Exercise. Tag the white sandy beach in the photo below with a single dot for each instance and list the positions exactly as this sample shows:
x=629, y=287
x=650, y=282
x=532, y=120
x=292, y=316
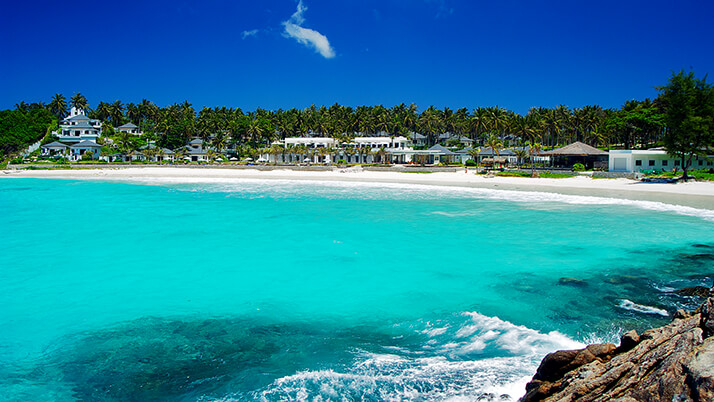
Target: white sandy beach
x=695, y=194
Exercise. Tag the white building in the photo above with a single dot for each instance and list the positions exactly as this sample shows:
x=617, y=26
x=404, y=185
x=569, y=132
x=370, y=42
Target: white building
x=78, y=150
x=629, y=160
x=309, y=142
x=328, y=150
x=129, y=128
x=77, y=127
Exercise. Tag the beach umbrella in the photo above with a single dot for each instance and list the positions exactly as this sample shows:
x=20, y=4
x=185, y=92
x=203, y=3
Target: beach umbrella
x=233, y=159
x=306, y=160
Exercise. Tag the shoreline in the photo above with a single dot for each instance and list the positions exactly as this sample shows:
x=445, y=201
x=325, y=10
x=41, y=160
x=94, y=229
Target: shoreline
x=693, y=194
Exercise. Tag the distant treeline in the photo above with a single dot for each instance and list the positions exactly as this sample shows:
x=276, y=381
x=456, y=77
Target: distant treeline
x=636, y=123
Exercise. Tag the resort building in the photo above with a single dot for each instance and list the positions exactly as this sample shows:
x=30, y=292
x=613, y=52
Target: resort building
x=129, y=128
x=54, y=149
x=79, y=149
x=196, y=152
x=633, y=160
x=578, y=152
x=383, y=149
x=418, y=139
x=77, y=127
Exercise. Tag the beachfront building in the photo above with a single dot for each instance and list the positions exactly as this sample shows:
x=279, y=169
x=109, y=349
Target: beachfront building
x=418, y=139
x=382, y=149
x=53, y=149
x=578, y=152
x=79, y=149
x=77, y=127
x=634, y=160
x=129, y=128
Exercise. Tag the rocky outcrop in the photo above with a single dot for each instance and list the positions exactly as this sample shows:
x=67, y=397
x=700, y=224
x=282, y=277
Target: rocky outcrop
x=671, y=363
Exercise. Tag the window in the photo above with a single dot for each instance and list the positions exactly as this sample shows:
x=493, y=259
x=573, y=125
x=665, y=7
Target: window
x=701, y=162
x=651, y=163
x=709, y=163
x=638, y=162
x=665, y=162
x=677, y=162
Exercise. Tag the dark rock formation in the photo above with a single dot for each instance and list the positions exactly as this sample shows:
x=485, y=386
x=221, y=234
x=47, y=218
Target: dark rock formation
x=698, y=291
x=572, y=282
x=671, y=363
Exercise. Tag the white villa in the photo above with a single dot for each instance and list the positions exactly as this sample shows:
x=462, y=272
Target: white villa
x=628, y=160
x=77, y=150
x=77, y=127
x=129, y=128
x=328, y=150
x=76, y=135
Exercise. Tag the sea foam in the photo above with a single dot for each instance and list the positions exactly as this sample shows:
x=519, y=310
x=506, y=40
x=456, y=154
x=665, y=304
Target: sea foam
x=343, y=189
x=458, y=371
x=641, y=308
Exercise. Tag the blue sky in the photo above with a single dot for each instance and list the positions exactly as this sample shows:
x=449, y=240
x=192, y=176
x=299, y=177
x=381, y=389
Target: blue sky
x=274, y=53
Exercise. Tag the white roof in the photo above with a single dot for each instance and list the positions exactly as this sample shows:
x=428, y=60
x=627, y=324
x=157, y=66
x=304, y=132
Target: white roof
x=385, y=140
x=310, y=140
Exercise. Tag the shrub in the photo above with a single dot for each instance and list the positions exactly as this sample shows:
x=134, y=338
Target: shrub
x=578, y=167
x=16, y=161
x=470, y=162
x=87, y=156
x=341, y=162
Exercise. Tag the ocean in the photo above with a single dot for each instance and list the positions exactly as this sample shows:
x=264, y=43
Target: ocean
x=241, y=289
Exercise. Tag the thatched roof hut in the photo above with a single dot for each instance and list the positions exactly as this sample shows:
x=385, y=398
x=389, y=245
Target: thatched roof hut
x=576, y=149
x=578, y=152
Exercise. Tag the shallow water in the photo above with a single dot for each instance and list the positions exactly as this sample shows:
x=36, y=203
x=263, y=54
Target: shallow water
x=250, y=289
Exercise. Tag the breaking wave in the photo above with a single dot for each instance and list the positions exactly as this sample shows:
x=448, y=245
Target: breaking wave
x=640, y=308
x=342, y=189
x=481, y=358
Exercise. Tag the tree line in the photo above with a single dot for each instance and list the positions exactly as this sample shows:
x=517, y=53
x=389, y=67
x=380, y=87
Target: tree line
x=636, y=124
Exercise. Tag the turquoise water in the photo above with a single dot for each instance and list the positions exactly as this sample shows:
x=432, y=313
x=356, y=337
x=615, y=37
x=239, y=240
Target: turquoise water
x=248, y=289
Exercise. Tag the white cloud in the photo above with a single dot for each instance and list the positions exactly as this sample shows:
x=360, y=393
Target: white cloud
x=307, y=36
x=252, y=32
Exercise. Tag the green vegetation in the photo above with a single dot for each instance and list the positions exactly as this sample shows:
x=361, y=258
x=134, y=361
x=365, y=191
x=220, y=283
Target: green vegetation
x=20, y=128
x=699, y=175
x=680, y=118
x=545, y=175
x=689, y=111
x=578, y=167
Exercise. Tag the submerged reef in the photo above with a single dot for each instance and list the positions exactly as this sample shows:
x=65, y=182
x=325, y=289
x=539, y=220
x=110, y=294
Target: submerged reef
x=671, y=363
x=158, y=359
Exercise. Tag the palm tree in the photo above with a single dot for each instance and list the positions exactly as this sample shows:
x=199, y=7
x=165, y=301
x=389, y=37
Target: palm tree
x=521, y=154
x=211, y=155
x=430, y=124
x=101, y=112
x=275, y=150
x=219, y=140
x=534, y=149
x=22, y=106
x=496, y=145
x=255, y=130
x=160, y=154
x=78, y=101
x=365, y=151
x=179, y=153
x=149, y=153
x=116, y=113
x=58, y=106
x=125, y=141
x=475, y=153
x=133, y=112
